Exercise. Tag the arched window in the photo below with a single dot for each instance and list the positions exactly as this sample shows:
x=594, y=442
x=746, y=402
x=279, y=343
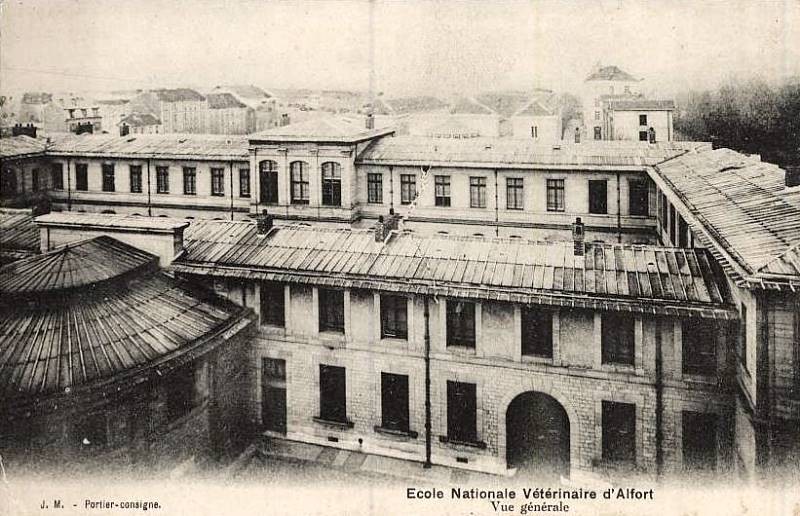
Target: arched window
x=298, y=172
x=268, y=181
x=331, y=184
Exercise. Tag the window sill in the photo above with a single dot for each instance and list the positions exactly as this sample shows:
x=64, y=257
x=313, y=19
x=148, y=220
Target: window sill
x=705, y=378
x=342, y=425
x=537, y=359
x=461, y=350
x=618, y=368
x=468, y=444
x=410, y=434
x=389, y=339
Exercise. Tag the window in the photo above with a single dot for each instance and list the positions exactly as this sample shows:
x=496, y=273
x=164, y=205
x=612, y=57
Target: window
x=673, y=225
x=514, y=193
x=108, y=177
x=642, y=136
x=664, y=211
x=268, y=181
x=136, y=178
x=477, y=192
x=180, y=389
x=597, y=115
x=743, y=337
x=619, y=431
x=331, y=310
x=273, y=394
x=462, y=412
x=217, y=181
x=298, y=172
x=81, y=177
x=642, y=119
x=394, y=317
x=35, y=180
x=638, y=197
x=683, y=232
x=598, y=196
x=162, y=180
x=617, y=338
x=91, y=433
x=461, y=324
x=408, y=188
x=699, y=441
x=272, y=304
x=555, y=195
x=332, y=394
x=598, y=133
x=537, y=332
x=442, y=190
x=699, y=347
x=244, y=182
x=394, y=402
x=57, y=176
x=375, y=188
x=534, y=131
x=189, y=181
x=331, y=184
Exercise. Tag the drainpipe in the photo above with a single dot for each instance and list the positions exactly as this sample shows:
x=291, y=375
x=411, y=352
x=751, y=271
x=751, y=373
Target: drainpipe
x=149, y=205
x=659, y=402
x=619, y=213
x=428, y=463
x=496, y=207
x=257, y=174
x=391, y=190
x=230, y=164
x=69, y=185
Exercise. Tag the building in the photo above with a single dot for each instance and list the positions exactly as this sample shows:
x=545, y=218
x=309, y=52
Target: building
x=83, y=117
x=116, y=386
x=264, y=103
x=602, y=81
x=638, y=119
x=181, y=110
x=139, y=123
x=227, y=115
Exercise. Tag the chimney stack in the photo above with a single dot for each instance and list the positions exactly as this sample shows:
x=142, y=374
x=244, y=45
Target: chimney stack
x=577, y=135
x=792, y=176
x=264, y=222
x=380, y=229
x=285, y=119
x=370, y=121
x=26, y=130
x=578, y=236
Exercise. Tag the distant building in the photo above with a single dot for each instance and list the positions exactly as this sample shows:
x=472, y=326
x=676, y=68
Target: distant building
x=43, y=110
x=139, y=123
x=112, y=111
x=228, y=115
x=604, y=80
x=180, y=110
x=264, y=103
x=83, y=118
x=638, y=119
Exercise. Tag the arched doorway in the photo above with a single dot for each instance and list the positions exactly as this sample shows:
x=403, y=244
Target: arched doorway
x=537, y=436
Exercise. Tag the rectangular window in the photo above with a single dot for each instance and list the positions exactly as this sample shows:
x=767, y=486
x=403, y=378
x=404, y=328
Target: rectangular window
x=617, y=338
x=331, y=310
x=699, y=441
x=272, y=304
x=683, y=232
x=598, y=196
x=699, y=347
x=642, y=119
x=218, y=181
x=331, y=184
x=394, y=317
x=57, y=176
x=394, y=402
x=461, y=324
x=162, y=180
x=35, y=180
x=462, y=412
x=477, y=192
x=598, y=133
x=332, y=394
x=244, y=182
x=534, y=131
x=375, y=188
x=298, y=171
x=180, y=389
x=136, y=178
x=108, y=177
x=619, y=431
x=442, y=190
x=408, y=188
x=189, y=181
x=743, y=337
x=537, y=332
x=514, y=193
x=673, y=225
x=555, y=195
x=81, y=177
x=642, y=136
x=638, y=197
x=273, y=394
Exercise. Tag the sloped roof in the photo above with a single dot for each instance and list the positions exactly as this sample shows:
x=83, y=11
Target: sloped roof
x=610, y=276
x=19, y=236
x=248, y=91
x=405, y=105
x=223, y=101
x=21, y=146
x=206, y=147
x=534, y=108
x=641, y=105
x=470, y=106
x=324, y=129
x=140, y=120
x=178, y=95
x=510, y=153
x=610, y=73
x=739, y=210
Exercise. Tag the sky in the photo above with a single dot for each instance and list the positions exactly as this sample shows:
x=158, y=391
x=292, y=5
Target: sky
x=420, y=46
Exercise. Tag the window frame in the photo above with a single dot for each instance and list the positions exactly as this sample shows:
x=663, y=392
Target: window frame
x=536, y=336
x=638, y=197
x=408, y=188
x=331, y=310
x=331, y=172
x=642, y=120
x=394, y=317
x=618, y=423
x=442, y=191
x=462, y=412
x=333, y=394
x=598, y=204
x=217, y=181
x=461, y=325
x=189, y=181
x=643, y=136
x=135, y=179
x=515, y=193
x=244, y=182
x=374, y=188
x=618, y=339
x=162, y=179
x=272, y=302
x=299, y=179
x=556, y=195
x=108, y=177
x=395, y=402
x=57, y=176
x=81, y=177
x=477, y=191
x=698, y=347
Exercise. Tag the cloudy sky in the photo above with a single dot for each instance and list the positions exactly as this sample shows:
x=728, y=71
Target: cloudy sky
x=420, y=46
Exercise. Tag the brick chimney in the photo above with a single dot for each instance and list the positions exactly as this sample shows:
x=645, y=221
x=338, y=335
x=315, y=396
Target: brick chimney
x=264, y=222
x=380, y=229
x=24, y=130
x=578, y=236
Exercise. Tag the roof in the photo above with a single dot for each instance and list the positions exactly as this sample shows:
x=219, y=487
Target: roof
x=322, y=129
x=206, y=147
x=19, y=236
x=178, y=95
x=223, y=101
x=611, y=276
x=534, y=108
x=641, y=105
x=404, y=105
x=248, y=91
x=470, y=106
x=37, y=98
x=140, y=120
x=738, y=206
x=610, y=73
x=108, y=337
x=131, y=222
x=21, y=147
x=511, y=153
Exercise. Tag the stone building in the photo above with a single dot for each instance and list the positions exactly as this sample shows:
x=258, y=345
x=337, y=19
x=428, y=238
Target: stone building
x=228, y=115
x=181, y=110
x=139, y=123
x=638, y=119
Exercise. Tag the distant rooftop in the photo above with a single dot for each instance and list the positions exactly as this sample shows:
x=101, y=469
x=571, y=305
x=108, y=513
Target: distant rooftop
x=19, y=236
x=611, y=73
x=247, y=91
x=322, y=129
x=140, y=120
x=178, y=95
x=223, y=101
x=177, y=146
x=641, y=105
x=68, y=218
x=36, y=98
x=21, y=147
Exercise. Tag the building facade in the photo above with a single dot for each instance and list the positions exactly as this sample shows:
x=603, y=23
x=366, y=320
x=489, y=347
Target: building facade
x=181, y=110
x=639, y=120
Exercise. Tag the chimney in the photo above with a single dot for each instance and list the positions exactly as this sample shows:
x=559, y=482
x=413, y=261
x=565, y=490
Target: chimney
x=578, y=236
x=124, y=129
x=380, y=230
x=285, y=119
x=370, y=121
x=651, y=135
x=577, y=135
x=792, y=176
x=24, y=130
x=264, y=222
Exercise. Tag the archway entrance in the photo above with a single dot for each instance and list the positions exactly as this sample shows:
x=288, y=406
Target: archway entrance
x=537, y=436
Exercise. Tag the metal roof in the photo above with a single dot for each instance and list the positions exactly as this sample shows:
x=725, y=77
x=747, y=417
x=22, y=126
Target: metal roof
x=200, y=147
x=635, y=278
x=21, y=147
x=132, y=222
x=19, y=236
x=512, y=153
x=322, y=129
x=739, y=206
